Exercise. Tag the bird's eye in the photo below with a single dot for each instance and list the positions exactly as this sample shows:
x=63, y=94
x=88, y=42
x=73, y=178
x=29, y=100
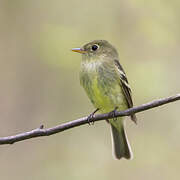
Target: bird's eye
x=95, y=47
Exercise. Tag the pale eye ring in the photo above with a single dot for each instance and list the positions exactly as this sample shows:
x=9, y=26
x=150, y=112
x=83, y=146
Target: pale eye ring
x=94, y=47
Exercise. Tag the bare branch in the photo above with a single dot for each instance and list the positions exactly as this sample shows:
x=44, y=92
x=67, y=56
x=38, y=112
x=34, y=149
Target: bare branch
x=78, y=122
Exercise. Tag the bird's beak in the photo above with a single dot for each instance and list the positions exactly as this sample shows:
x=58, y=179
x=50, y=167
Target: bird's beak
x=79, y=50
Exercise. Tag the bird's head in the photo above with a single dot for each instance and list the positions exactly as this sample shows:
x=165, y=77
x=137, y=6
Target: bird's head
x=96, y=50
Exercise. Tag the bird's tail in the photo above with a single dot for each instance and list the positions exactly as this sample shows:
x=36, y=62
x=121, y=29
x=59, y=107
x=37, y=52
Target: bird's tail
x=121, y=147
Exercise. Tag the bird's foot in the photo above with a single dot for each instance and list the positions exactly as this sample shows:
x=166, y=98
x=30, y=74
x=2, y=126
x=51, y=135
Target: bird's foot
x=90, y=117
x=107, y=120
x=134, y=119
x=112, y=113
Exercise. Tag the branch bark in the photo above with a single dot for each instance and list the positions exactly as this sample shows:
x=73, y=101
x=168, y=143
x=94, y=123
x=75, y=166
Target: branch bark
x=78, y=122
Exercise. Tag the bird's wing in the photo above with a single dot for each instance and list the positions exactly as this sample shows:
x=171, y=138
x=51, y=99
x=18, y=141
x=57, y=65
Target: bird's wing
x=125, y=87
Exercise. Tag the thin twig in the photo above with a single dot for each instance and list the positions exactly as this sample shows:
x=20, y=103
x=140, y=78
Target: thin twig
x=78, y=122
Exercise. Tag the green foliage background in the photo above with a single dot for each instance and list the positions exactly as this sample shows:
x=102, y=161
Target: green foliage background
x=39, y=84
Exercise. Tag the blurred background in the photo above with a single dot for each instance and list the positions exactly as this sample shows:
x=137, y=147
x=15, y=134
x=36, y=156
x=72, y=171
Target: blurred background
x=39, y=84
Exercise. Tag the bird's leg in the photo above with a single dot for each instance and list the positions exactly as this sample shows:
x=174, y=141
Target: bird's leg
x=112, y=113
x=90, y=117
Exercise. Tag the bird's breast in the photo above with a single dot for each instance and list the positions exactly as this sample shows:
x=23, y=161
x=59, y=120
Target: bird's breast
x=101, y=85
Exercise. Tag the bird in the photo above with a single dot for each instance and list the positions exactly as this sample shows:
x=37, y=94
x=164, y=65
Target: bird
x=105, y=82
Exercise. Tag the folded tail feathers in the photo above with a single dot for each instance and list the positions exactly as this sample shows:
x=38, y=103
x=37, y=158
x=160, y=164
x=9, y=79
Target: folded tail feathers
x=121, y=147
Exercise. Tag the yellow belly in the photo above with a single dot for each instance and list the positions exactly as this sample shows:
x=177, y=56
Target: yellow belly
x=107, y=98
